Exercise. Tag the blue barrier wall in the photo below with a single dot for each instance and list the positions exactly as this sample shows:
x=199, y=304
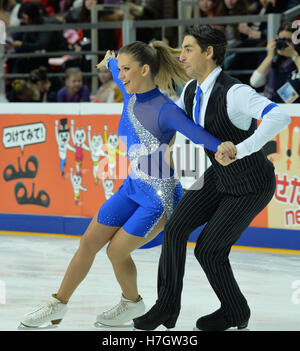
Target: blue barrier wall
x=253, y=236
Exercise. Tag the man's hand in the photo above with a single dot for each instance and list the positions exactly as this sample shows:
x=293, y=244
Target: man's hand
x=226, y=153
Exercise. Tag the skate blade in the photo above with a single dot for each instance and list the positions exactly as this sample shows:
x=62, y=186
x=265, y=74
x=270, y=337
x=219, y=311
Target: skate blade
x=118, y=327
x=230, y=329
x=26, y=327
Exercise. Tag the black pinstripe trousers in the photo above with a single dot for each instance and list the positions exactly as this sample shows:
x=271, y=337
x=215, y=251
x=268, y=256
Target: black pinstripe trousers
x=226, y=217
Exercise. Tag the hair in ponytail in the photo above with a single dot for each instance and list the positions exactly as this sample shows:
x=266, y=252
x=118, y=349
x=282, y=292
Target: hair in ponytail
x=165, y=68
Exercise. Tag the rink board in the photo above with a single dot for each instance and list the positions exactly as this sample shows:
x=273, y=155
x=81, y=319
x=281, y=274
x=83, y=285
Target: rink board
x=38, y=198
x=254, y=236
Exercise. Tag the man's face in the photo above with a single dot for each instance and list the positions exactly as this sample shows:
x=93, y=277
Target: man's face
x=191, y=56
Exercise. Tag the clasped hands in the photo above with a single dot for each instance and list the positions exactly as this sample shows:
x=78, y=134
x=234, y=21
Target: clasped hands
x=226, y=153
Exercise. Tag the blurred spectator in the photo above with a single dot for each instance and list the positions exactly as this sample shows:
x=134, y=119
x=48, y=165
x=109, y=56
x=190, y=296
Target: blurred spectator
x=279, y=71
x=82, y=14
x=203, y=8
x=274, y=6
x=232, y=8
x=153, y=10
x=169, y=9
x=47, y=4
x=206, y=8
x=62, y=6
x=234, y=37
x=39, y=80
x=108, y=91
x=147, y=10
x=22, y=91
x=74, y=90
x=106, y=37
x=257, y=32
x=32, y=13
x=9, y=12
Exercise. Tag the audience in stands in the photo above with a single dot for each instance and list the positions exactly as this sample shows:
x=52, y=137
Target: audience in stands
x=82, y=14
x=232, y=8
x=107, y=38
x=147, y=10
x=279, y=71
x=271, y=72
x=38, y=88
x=37, y=41
x=258, y=31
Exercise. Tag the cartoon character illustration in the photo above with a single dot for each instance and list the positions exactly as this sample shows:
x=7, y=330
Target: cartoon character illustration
x=95, y=145
x=108, y=185
x=62, y=139
x=112, y=144
x=76, y=180
x=78, y=140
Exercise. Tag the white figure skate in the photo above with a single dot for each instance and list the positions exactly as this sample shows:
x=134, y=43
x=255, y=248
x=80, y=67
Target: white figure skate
x=53, y=311
x=122, y=313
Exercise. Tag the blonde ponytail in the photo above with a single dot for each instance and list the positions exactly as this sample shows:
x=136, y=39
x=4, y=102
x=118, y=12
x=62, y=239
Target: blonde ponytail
x=166, y=70
x=170, y=70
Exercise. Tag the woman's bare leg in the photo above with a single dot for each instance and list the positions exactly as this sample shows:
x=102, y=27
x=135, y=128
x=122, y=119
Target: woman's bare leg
x=118, y=251
x=96, y=236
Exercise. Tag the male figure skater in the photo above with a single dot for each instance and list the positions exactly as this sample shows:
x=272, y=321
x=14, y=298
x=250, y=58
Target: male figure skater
x=236, y=187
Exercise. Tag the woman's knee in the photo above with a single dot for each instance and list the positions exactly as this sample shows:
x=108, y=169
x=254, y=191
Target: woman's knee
x=87, y=246
x=115, y=254
x=92, y=243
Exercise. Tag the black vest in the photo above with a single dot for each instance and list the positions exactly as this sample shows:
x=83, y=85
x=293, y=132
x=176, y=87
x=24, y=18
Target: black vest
x=245, y=175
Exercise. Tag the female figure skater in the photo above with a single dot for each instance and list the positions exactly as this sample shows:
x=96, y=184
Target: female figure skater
x=138, y=211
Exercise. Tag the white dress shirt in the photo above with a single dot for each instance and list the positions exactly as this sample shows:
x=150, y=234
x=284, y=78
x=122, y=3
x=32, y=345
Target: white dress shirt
x=243, y=104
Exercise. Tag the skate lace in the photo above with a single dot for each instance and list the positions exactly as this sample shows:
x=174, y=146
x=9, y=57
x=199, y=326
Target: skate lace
x=121, y=307
x=44, y=311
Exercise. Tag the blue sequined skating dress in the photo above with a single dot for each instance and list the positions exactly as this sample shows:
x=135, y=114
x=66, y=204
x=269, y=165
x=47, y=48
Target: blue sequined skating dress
x=147, y=126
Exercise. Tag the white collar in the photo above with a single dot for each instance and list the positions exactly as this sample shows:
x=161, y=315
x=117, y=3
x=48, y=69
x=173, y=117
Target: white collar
x=210, y=79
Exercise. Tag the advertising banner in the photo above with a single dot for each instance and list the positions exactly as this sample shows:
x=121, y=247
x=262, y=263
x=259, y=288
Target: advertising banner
x=67, y=160
x=59, y=164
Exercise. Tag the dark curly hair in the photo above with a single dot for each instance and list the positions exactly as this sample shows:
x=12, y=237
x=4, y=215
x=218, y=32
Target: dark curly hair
x=207, y=35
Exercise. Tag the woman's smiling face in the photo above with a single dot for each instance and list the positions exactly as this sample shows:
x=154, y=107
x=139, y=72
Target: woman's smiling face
x=131, y=73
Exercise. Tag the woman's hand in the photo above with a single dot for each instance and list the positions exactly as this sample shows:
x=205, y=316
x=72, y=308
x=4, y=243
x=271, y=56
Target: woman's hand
x=226, y=153
x=109, y=54
x=289, y=51
x=271, y=48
